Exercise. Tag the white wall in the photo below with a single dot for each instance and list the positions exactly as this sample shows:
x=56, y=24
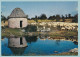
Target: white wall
x=15, y=22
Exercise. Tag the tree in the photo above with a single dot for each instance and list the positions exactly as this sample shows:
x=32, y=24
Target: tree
x=43, y=16
x=66, y=16
x=52, y=17
x=75, y=19
x=3, y=18
x=57, y=17
x=69, y=15
x=63, y=18
x=32, y=18
x=36, y=18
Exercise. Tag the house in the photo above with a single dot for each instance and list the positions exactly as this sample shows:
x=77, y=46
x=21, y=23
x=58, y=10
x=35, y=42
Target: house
x=17, y=19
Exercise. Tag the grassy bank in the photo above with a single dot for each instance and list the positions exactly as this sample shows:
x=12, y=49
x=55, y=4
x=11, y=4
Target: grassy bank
x=53, y=34
x=8, y=32
x=15, y=32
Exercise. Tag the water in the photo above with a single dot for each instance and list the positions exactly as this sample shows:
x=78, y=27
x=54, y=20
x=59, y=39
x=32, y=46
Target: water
x=37, y=46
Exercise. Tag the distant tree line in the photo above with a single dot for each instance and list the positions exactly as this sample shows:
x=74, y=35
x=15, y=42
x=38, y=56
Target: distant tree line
x=54, y=17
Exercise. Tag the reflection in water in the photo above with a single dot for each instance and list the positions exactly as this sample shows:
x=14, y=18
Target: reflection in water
x=57, y=42
x=76, y=43
x=18, y=51
x=30, y=39
x=17, y=42
x=17, y=45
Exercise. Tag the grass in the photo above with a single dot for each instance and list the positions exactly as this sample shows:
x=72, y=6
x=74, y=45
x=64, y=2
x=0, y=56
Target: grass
x=32, y=21
x=64, y=33
x=15, y=32
x=58, y=33
x=10, y=31
x=18, y=32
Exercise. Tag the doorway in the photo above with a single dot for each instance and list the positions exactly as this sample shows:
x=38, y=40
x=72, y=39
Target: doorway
x=20, y=23
x=21, y=42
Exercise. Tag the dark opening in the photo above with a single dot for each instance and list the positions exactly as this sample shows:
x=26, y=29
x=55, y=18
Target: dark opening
x=21, y=42
x=20, y=23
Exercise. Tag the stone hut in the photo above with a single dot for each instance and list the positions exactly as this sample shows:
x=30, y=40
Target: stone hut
x=17, y=42
x=17, y=19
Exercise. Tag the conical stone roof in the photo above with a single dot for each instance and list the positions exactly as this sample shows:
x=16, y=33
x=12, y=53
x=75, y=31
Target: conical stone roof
x=17, y=13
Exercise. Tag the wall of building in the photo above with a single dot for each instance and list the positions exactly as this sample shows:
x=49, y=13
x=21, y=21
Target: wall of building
x=15, y=22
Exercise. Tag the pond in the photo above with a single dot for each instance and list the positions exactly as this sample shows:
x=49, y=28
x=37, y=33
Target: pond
x=34, y=46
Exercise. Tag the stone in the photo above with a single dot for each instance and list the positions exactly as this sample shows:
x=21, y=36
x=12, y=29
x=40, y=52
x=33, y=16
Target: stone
x=74, y=50
x=55, y=51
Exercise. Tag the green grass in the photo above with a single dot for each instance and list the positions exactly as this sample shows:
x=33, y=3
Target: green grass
x=18, y=32
x=10, y=31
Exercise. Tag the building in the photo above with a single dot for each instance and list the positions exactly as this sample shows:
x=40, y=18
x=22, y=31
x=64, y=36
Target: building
x=17, y=19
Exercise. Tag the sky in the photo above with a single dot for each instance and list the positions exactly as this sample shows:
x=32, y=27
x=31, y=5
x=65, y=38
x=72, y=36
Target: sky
x=37, y=8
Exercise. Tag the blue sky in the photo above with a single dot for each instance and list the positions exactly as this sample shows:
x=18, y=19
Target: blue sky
x=37, y=8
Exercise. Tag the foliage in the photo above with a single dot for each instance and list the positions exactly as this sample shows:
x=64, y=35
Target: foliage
x=63, y=18
x=3, y=18
x=52, y=17
x=75, y=19
x=57, y=17
x=43, y=16
x=31, y=28
x=9, y=31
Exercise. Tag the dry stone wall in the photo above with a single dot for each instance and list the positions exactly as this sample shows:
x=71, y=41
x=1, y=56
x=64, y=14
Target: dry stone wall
x=15, y=22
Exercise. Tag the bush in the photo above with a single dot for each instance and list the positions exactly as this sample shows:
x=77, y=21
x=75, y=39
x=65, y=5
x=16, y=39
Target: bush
x=31, y=28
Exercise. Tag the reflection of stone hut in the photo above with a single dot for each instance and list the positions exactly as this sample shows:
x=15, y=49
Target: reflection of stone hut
x=18, y=51
x=17, y=19
x=17, y=42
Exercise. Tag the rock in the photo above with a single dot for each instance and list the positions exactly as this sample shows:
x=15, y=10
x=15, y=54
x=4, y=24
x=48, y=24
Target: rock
x=55, y=51
x=12, y=35
x=23, y=30
x=74, y=50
